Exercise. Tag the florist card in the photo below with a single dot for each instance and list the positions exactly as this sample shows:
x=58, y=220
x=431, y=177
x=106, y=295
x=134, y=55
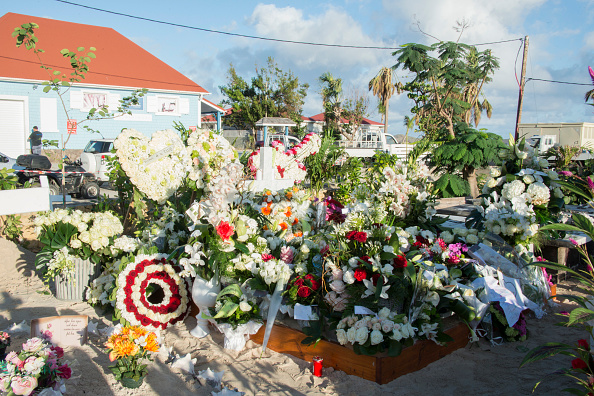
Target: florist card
x=62, y=330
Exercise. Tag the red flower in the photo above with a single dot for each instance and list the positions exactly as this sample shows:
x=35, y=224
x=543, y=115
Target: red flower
x=315, y=284
x=579, y=364
x=361, y=237
x=267, y=257
x=303, y=291
x=366, y=259
x=64, y=371
x=281, y=171
x=351, y=235
x=360, y=274
x=225, y=230
x=374, y=278
x=400, y=261
x=298, y=282
x=58, y=351
x=584, y=344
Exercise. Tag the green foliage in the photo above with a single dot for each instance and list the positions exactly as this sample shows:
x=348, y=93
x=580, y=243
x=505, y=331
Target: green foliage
x=450, y=185
x=321, y=166
x=11, y=227
x=8, y=180
x=271, y=93
x=446, y=87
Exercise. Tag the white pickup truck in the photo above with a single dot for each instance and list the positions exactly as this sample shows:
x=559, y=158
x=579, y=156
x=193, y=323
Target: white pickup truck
x=94, y=158
x=366, y=143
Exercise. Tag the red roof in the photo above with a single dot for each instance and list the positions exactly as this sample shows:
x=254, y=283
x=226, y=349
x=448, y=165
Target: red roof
x=120, y=62
x=211, y=117
x=320, y=118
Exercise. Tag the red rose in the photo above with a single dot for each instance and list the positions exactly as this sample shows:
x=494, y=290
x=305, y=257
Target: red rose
x=584, y=344
x=579, y=364
x=64, y=371
x=361, y=237
x=303, y=292
x=298, y=282
x=374, y=278
x=366, y=259
x=225, y=230
x=400, y=261
x=351, y=235
x=58, y=351
x=266, y=257
x=145, y=321
x=360, y=274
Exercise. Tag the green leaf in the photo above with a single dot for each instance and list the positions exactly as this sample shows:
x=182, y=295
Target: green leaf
x=227, y=310
x=80, y=49
x=47, y=88
x=545, y=351
x=232, y=289
x=580, y=315
x=395, y=348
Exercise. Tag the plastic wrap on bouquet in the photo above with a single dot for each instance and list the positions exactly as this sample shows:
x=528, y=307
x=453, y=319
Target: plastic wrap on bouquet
x=235, y=338
x=488, y=256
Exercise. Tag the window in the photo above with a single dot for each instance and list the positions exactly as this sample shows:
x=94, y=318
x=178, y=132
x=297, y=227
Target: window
x=167, y=105
x=94, y=100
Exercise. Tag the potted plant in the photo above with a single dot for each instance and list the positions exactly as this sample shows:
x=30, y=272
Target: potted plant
x=129, y=346
x=74, y=244
x=38, y=366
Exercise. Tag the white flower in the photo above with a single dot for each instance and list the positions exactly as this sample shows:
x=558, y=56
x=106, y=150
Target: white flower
x=447, y=236
x=341, y=335
x=495, y=172
x=472, y=239
x=396, y=334
x=528, y=179
x=383, y=313
x=376, y=337
x=361, y=335
x=543, y=163
x=351, y=335
x=348, y=276
x=244, y=306
x=539, y=193
x=387, y=326
x=512, y=189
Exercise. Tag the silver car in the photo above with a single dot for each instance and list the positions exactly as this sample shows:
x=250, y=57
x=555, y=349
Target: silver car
x=9, y=162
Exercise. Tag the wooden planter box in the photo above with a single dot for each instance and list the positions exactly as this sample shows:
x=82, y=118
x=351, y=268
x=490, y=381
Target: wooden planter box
x=380, y=368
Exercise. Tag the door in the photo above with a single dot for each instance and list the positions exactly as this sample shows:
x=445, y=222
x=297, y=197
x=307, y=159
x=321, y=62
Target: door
x=14, y=125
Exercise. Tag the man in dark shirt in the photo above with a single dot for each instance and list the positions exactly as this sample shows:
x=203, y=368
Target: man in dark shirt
x=35, y=139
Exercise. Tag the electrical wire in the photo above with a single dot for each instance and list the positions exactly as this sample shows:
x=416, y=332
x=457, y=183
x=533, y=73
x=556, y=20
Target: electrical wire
x=250, y=36
x=556, y=81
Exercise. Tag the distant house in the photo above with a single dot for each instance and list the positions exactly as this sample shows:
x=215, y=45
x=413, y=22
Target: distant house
x=316, y=124
x=120, y=67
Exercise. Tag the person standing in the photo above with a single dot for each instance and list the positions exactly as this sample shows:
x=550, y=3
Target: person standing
x=35, y=141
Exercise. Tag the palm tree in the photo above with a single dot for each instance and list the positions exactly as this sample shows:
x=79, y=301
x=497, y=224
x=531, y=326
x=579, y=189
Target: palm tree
x=332, y=100
x=383, y=88
x=590, y=93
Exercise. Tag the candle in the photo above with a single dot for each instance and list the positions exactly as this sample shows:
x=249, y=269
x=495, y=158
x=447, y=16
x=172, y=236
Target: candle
x=317, y=366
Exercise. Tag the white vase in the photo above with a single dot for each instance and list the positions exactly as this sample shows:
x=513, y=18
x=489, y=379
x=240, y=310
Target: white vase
x=204, y=294
x=85, y=271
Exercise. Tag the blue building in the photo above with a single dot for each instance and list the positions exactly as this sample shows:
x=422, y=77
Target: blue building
x=120, y=67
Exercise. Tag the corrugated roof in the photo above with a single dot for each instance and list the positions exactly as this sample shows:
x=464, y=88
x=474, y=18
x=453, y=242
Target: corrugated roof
x=120, y=62
x=320, y=118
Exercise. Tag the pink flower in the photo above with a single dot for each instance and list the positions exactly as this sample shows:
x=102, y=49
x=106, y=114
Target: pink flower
x=33, y=344
x=590, y=183
x=591, y=72
x=573, y=241
x=13, y=358
x=64, y=371
x=23, y=385
x=565, y=173
x=287, y=254
x=267, y=257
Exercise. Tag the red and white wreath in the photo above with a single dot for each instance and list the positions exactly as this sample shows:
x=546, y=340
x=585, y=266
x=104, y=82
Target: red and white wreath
x=131, y=299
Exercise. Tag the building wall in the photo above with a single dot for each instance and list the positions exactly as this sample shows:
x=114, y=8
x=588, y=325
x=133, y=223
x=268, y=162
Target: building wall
x=45, y=111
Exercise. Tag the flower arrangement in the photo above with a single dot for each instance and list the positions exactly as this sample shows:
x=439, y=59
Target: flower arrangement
x=157, y=168
x=370, y=334
x=151, y=293
x=210, y=152
x=234, y=307
x=129, y=346
x=520, y=196
x=303, y=289
x=38, y=366
x=66, y=234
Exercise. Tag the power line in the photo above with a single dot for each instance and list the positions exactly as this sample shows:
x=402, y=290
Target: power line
x=557, y=82
x=249, y=36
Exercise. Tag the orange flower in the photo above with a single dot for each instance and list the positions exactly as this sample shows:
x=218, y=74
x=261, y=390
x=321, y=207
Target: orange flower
x=288, y=212
x=289, y=195
x=265, y=228
x=266, y=210
x=151, y=343
x=295, y=188
x=295, y=221
x=298, y=234
x=283, y=226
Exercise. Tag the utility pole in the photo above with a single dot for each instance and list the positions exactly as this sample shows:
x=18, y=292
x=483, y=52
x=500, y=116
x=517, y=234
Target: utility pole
x=521, y=95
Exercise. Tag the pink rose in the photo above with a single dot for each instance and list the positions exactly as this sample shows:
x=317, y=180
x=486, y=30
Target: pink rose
x=13, y=358
x=23, y=385
x=33, y=344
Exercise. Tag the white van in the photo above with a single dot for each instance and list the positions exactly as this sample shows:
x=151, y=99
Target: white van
x=94, y=158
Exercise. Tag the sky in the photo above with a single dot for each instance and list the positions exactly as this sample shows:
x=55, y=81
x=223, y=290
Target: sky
x=561, y=45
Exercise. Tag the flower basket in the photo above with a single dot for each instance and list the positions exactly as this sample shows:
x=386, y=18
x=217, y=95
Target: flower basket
x=74, y=289
x=132, y=383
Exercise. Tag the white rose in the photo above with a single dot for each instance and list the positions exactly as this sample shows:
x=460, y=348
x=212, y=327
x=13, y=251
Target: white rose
x=495, y=172
x=383, y=313
x=472, y=239
x=376, y=337
x=396, y=334
x=387, y=326
x=528, y=179
x=351, y=334
x=447, y=237
x=496, y=229
x=377, y=326
x=244, y=306
x=348, y=277
x=543, y=163
x=491, y=183
x=342, y=336
x=361, y=335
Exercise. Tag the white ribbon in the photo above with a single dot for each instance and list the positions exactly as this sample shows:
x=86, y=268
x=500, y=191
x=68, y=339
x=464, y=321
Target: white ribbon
x=275, y=302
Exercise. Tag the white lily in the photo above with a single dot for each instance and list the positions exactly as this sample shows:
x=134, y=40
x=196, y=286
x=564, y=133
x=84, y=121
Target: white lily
x=371, y=289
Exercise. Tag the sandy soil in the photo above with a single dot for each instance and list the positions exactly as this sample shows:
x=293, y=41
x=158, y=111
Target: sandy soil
x=480, y=369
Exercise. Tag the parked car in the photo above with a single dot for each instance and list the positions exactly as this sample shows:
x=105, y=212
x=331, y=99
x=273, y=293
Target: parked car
x=94, y=158
x=8, y=162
